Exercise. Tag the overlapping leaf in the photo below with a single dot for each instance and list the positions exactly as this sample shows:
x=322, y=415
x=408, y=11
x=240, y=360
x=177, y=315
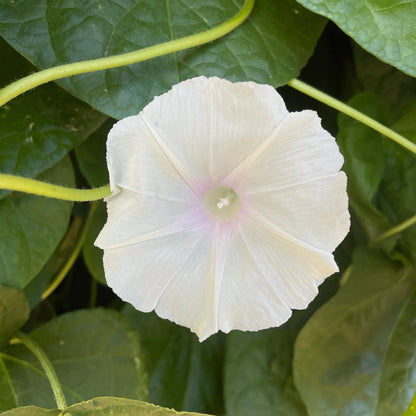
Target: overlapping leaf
x=94, y=353
x=183, y=373
x=339, y=353
x=271, y=47
x=102, y=406
x=258, y=374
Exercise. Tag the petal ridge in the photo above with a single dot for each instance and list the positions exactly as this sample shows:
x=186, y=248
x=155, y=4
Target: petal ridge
x=179, y=167
x=270, y=226
x=244, y=237
x=293, y=185
x=174, y=228
x=221, y=255
x=249, y=160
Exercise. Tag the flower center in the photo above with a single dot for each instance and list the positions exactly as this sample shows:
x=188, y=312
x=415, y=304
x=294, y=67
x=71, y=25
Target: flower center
x=222, y=202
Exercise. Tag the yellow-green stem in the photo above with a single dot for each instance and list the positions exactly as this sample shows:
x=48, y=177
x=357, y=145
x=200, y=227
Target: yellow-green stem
x=62, y=71
x=33, y=186
x=47, y=366
x=397, y=229
x=349, y=111
x=70, y=261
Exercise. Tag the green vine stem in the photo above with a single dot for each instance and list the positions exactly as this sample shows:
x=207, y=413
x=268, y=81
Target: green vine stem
x=33, y=186
x=396, y=229
x=62, y=71
x=349, y=111
x=47, y=366
x=71, y=259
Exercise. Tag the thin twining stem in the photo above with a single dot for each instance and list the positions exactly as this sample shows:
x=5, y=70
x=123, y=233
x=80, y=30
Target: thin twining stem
x=72, y=257
x=62, y=71
x=353, y=113
x=396, y=229
x=47, y=366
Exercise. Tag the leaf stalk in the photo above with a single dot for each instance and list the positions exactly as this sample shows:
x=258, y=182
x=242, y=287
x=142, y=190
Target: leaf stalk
x=47, y=366
x=353, y=113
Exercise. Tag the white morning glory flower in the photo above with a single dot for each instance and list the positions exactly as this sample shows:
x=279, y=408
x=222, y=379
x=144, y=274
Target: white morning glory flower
x=226, y=208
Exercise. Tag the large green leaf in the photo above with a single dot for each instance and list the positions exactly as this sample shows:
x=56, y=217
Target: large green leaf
x=183, y=373
x=258, y=374
x=109, y=406
x=385, y=28
x=14, y=312
x=398, y=375
x=271, y=47
x=102, y=406
x=32, y=411
x=32, y=227
x=339, y=353
x=94, y=353
x=258, y=365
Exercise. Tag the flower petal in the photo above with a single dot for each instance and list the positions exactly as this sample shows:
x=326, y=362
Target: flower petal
x=139, y=273
x=137, y=162
x=177, y=275
x=201, y=120
x=133, y=218
x=298, y=150
x=192, y=298
x=267, y=275
x=315, y=212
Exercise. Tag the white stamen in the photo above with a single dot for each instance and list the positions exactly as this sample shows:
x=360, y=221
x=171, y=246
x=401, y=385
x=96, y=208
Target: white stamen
x=224, y=202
